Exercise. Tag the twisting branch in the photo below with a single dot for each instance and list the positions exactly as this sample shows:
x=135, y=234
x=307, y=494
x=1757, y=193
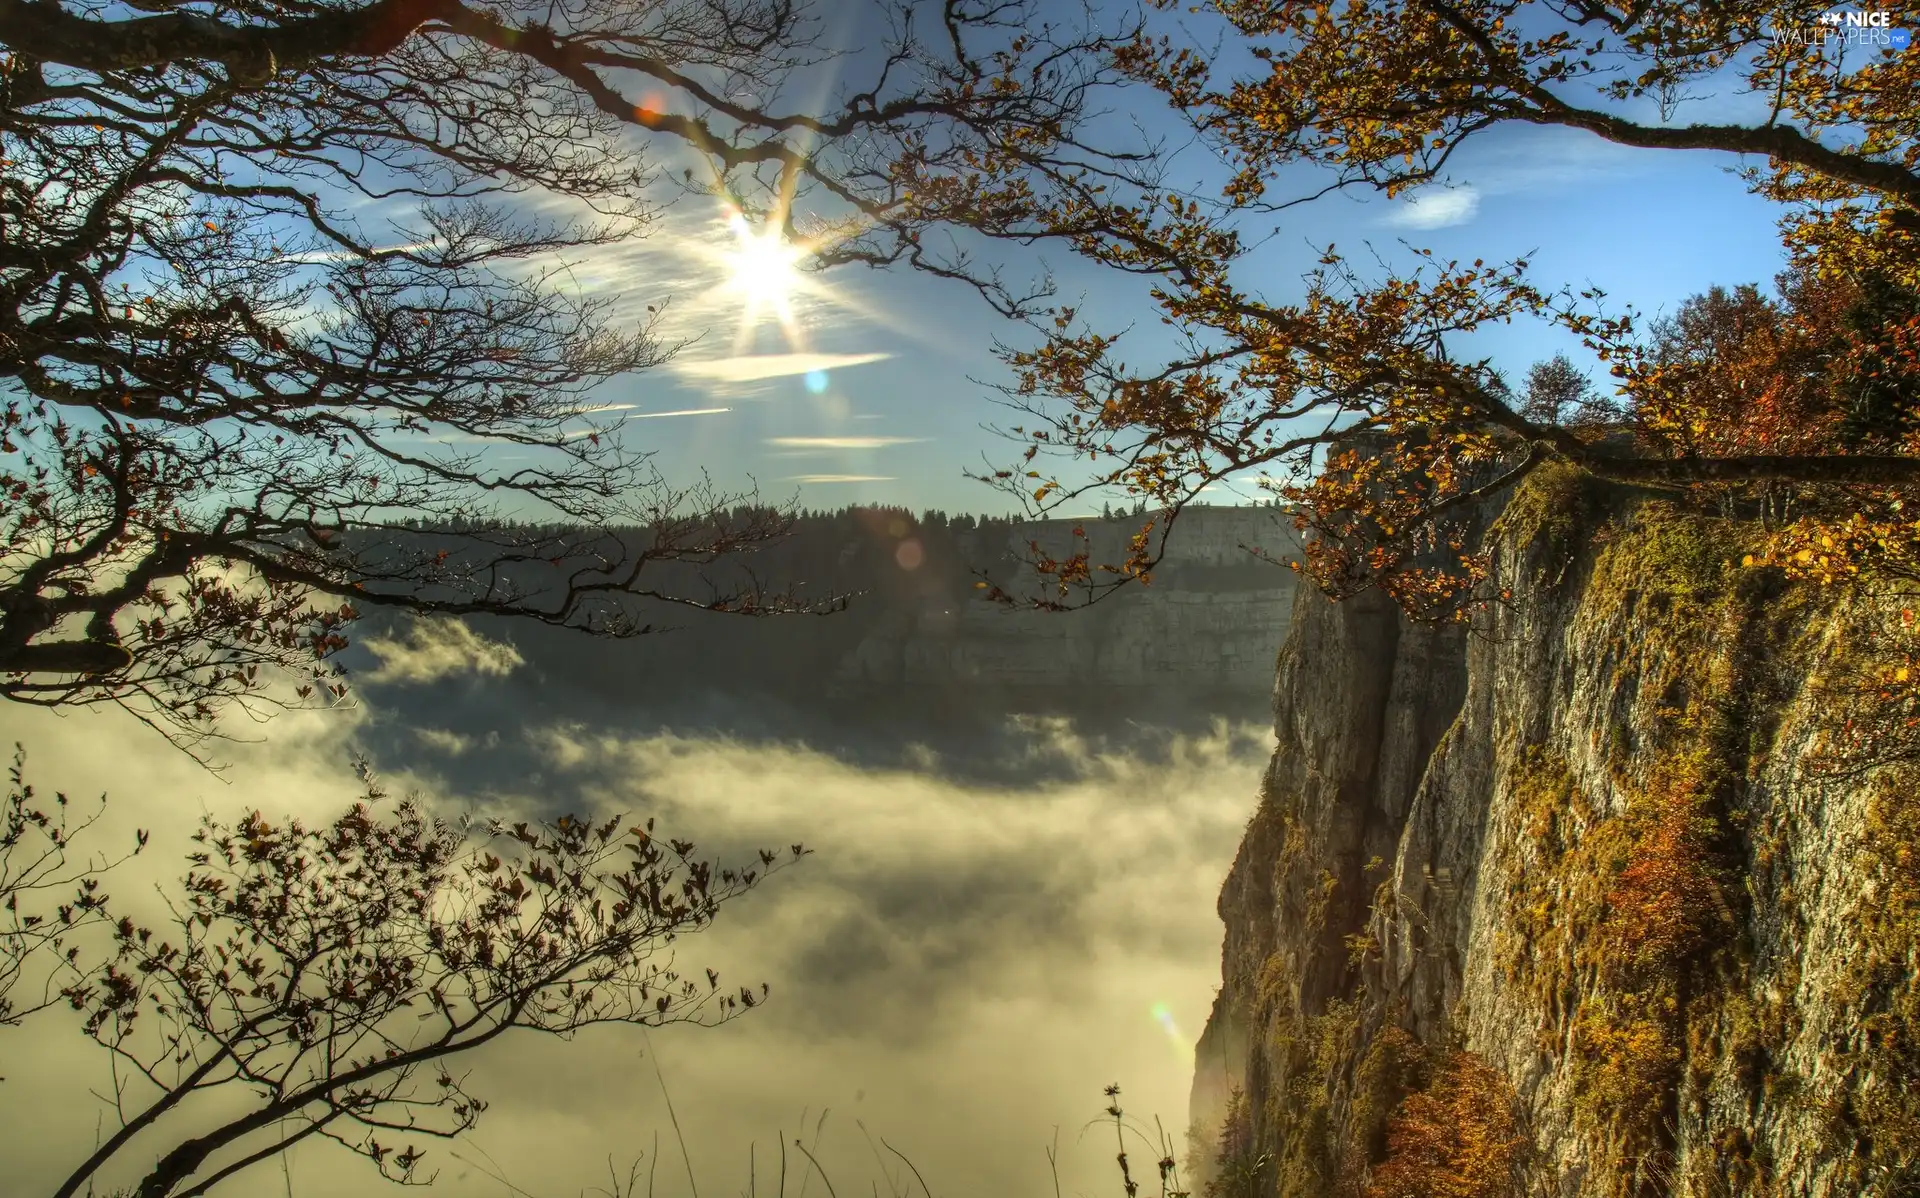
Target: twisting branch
x=228, y=411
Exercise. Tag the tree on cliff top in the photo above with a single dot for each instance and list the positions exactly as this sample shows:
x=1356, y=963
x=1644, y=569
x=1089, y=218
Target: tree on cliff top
x=223, y=400
x=1559, y=393
x=1350, y=398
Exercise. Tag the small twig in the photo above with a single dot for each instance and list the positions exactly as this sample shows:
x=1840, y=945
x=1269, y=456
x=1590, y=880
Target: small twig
x=910, y=1165
x=892, y=1188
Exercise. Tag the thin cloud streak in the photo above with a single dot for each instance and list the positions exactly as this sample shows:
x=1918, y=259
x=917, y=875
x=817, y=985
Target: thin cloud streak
x=747, y=368
x=843, y=442
x=321, y=257
x=681, y=412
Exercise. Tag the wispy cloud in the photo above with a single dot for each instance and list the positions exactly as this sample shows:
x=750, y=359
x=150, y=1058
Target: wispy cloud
x=1436, y=208
x=681, y=412
x=841, y=442
x=748, y=368
x=319, y=257
x=441, y=740
x=1537, y=162
x=840, y=478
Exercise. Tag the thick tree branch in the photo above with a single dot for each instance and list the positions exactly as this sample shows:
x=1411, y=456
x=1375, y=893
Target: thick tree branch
x=44, y=30
x=1836, y=469
x=1780, y=142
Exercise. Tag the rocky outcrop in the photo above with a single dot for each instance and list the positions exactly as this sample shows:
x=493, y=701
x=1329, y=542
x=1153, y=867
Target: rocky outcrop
x=1619, y=848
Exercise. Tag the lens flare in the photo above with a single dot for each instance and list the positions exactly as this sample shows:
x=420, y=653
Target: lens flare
x=816, y=381
x=1163, y=1016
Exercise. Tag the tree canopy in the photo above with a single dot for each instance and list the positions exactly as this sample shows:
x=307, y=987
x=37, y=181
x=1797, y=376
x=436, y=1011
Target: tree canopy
x=226, y=398
x=1353, y=398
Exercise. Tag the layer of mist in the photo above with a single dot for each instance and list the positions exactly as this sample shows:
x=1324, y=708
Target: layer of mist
x=1009, y=905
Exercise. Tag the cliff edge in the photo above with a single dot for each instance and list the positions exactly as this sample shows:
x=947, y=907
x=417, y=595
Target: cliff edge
x=1596, y=898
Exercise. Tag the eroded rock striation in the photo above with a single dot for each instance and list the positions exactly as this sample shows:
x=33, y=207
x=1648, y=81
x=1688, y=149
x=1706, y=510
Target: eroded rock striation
x=1599, y=897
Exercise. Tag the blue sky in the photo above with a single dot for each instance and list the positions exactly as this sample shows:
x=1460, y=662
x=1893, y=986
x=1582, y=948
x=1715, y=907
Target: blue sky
x=1649, y=228
x=869, y=395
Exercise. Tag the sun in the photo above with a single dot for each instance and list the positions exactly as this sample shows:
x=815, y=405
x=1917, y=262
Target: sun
x=759, y=268
x=763, y=268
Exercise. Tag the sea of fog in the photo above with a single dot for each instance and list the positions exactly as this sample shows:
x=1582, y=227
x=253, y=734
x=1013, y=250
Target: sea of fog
x=1000, y=918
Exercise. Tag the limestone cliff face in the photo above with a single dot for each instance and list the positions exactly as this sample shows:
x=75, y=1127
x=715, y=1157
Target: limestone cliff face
x=1600, y=898
x=1213, y=618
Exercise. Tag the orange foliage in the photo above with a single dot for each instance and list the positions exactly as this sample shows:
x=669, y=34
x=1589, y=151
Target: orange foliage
x=1370, y=520
x=1458, y=1138
x=1829, y=368
x=1667, y=903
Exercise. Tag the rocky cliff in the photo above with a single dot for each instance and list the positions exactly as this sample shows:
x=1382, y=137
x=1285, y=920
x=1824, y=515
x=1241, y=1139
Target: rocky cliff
x=1604, y=896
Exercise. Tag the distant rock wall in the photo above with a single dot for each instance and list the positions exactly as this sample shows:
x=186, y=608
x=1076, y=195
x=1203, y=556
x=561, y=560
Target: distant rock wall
x=1219, y=639
x=1202, y=637
x=1600, y=847
x=1213, y=618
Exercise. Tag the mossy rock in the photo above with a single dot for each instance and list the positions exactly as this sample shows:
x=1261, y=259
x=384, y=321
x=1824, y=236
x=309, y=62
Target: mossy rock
x=1550, y=513
x=1874, y=1120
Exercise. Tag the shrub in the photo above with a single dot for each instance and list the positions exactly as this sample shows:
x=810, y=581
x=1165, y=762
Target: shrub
x=1667, y=906
x=1458, y=1138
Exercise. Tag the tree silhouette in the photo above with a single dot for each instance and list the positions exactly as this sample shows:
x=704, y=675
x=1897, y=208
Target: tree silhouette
x=324, y=983
x=47, y=897
x=225, y=396
x=1557, y=391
